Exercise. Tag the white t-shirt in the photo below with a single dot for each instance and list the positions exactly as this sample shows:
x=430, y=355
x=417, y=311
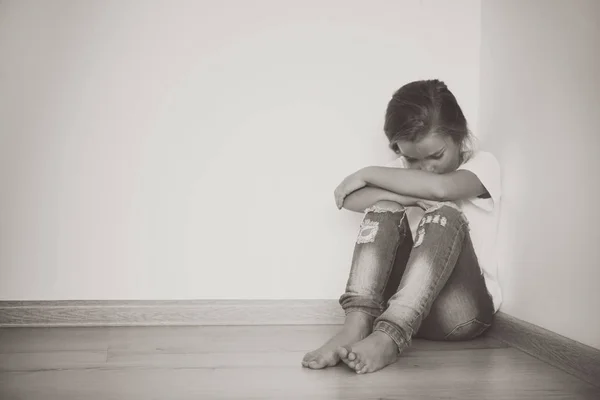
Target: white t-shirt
x=482, y=214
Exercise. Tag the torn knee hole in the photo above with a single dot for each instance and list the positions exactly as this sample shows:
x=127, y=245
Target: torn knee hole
x=429, y=219
x=420, y=237
x=368, y=231
x=433, y=219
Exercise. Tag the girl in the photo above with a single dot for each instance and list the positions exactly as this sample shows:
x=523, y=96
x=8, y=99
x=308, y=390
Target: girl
x=426, y=245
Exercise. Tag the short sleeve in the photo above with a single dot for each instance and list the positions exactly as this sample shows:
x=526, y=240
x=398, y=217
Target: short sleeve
x=485, y=166
x=396, y=163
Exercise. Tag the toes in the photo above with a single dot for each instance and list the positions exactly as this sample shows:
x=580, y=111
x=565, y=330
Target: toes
x=316, y=364
x=351, y=356
x=363, y=370
x=346, y=361
x=307, y=357
x=352, y=364
x=359, y=366
x=343, y=351
x=315, y=361
x=307, y=360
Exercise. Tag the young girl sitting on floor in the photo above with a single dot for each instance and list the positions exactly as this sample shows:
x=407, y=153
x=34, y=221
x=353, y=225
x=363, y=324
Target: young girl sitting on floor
x=424, y=262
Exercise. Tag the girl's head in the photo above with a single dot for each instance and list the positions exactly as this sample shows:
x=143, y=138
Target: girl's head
x=424, y=123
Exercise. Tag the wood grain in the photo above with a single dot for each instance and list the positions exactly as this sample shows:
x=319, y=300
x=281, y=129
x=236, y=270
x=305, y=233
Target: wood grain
x=573, y=357
x=169, y=312
x=261, y=362
x=251, y=338
x=19, y=340
x=52, y=360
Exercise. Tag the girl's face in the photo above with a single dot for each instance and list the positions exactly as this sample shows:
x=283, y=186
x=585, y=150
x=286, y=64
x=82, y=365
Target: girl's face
x=433, y=153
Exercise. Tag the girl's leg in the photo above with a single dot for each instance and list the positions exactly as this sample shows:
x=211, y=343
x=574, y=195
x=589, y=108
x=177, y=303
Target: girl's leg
x=464, y=308
x=436, y=250
x=380, y=256
x=384, y=232
x=440, y=238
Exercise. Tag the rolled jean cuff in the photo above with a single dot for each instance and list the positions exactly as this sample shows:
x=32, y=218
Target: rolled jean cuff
x=392, y=332
x=365, y=310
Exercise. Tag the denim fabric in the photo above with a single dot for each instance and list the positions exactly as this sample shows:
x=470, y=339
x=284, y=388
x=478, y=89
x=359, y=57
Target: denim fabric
x=431, y=288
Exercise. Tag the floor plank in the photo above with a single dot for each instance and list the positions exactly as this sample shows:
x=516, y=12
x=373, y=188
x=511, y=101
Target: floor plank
x=249, y=338
x=38, y=361
x=19, y=340
x=497, y=381
x=260, y=362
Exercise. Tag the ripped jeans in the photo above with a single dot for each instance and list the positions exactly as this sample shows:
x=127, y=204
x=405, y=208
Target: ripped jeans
x=433, y=287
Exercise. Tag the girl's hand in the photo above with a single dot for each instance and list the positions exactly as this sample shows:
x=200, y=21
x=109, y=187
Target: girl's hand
x=426, y=204
x=350, y=184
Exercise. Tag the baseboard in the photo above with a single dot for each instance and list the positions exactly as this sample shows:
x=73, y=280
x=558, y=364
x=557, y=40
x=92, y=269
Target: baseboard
x=169, y=312
x=570, y=356
x=559, y=351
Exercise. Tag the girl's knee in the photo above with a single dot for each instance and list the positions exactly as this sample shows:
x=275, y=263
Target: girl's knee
x=443, y=214
x=384, y=216
x=385, y=206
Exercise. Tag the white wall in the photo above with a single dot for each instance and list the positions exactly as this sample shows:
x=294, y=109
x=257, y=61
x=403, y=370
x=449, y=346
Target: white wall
x=540, y=112
x=175, y=150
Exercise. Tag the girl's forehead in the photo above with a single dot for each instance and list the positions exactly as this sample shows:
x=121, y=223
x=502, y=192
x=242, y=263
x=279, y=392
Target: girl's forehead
x=427, y=146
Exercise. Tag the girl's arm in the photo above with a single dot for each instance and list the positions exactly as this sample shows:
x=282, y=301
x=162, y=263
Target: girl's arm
x=452, y=186
x=363, y=198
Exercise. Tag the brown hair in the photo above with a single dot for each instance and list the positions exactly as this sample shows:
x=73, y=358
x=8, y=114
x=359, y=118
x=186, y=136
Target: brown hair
x=422, y=107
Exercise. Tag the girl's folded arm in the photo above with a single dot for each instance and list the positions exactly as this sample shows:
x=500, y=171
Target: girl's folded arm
x=461, y=184
x=456, y=185
x=363, y=198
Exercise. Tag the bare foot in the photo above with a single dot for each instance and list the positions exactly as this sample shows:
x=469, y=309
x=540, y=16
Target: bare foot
x=378, y=350
x=357, y=326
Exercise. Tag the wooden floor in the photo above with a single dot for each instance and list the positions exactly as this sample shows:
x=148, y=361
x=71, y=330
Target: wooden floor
x=258, y=362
